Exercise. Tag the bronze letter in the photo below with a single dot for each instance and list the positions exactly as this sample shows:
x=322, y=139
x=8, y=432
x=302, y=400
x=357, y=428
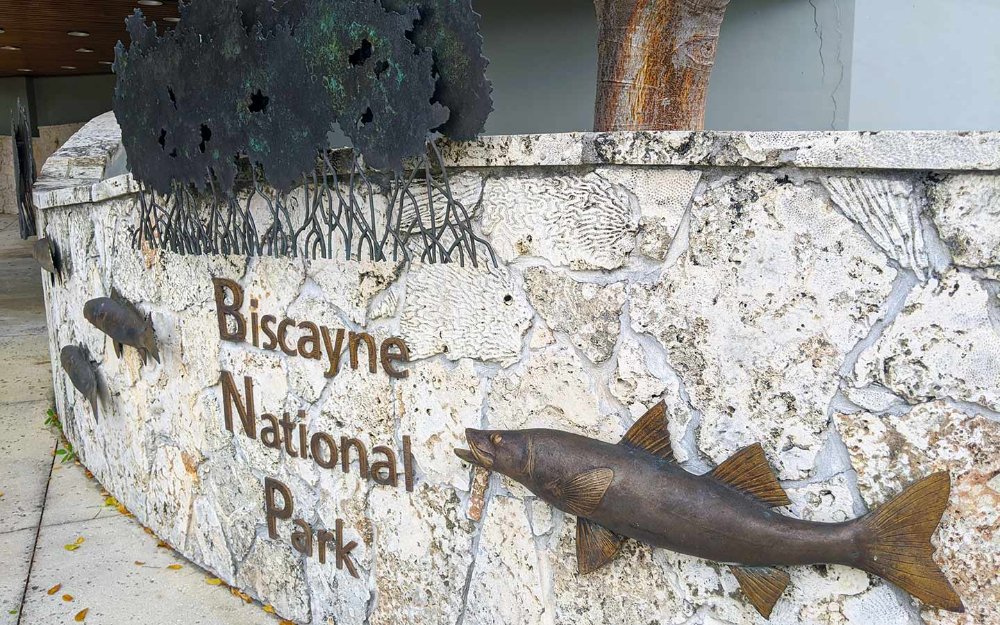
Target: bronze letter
x=333, y=350
x=345, y=456
x=354, y=341
x=270, y=436
x=265, y=324
x=231, y=398
x=389, y=464
x=302, y=538
x=344, y=551
x=317, y=452
x=315, y=352
x=273, y=513
x=282, y=333
x=223, y=311
x=303, y=436
x=402, y=355
x=323, y=537
x=254, y=323
x=286, y=428
x=408, y=464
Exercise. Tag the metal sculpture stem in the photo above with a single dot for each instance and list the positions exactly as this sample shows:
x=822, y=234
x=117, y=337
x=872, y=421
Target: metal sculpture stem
x=24, y=170
x=358, y=213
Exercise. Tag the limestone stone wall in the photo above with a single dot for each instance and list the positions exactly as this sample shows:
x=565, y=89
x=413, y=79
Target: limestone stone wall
x=831, y=295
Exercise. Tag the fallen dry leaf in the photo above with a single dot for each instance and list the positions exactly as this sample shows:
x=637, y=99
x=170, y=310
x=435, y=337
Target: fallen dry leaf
x=89, y=475
x=81, y=615
x=285, y=622
x=163, y=545
x=67, y=597
x=71, y=547
x=269, y=609
x=140, y=563
x=175, y=567
x=213, y=581
x=241, y=595
x=55, y=589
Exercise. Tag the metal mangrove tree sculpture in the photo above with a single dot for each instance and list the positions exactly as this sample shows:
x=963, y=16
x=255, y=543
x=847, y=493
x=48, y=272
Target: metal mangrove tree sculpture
x=226, y=122
x=24, y=170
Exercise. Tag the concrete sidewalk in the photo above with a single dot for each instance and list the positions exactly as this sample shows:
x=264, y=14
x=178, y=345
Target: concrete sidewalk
x=57, y=529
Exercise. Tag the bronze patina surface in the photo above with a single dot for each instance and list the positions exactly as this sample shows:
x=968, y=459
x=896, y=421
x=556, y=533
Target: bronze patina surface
x=125, y=325
x=82, y=373
x=44, y=252
x=636, y=489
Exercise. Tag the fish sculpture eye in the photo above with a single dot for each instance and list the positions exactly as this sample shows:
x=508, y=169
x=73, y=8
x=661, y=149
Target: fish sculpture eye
x=496, y=439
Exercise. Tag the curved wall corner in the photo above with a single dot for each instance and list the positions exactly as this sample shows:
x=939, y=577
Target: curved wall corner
x=831, y=295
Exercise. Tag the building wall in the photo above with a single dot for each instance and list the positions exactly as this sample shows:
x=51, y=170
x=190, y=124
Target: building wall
x=543, y=67
x=782, y=64
x=926, y=64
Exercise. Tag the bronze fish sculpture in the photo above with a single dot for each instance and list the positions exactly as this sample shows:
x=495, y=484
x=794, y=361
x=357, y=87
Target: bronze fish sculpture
x=45, y=253
x=82, y=373
x=636, y=489
x=121, y=321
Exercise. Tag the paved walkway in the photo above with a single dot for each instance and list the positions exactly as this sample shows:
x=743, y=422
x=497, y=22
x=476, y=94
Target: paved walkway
x=64, y=548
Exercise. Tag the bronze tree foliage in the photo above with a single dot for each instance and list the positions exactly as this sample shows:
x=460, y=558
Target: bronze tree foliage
x=230, y=112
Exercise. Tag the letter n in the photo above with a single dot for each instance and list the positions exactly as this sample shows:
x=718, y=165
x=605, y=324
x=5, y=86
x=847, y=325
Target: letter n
x=231, y=399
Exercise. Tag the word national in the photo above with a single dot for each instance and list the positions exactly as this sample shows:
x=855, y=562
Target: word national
x=314, y=341
x=293, y=437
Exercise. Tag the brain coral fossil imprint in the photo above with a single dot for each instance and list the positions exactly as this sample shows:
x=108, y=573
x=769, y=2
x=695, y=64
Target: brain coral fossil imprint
x=636, y=489
x=243, y=92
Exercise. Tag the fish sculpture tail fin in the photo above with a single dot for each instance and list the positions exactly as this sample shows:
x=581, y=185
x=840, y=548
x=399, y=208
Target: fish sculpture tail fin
x=150, y=345
x=900, y=549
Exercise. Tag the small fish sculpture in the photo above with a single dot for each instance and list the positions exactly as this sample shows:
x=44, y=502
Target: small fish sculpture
x=636, y=489
x=82, y=372
x=121, y=321
x=45, y=253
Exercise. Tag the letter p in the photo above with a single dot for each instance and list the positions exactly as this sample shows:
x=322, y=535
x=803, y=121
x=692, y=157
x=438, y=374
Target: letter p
x=271, y=511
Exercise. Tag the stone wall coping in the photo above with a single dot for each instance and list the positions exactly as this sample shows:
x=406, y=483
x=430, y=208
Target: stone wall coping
x=76, y=173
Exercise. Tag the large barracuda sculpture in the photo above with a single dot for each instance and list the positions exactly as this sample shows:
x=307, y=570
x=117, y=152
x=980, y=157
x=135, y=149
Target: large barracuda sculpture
x=636, y=489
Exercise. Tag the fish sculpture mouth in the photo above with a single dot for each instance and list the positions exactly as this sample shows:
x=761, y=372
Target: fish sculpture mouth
x=476, y=453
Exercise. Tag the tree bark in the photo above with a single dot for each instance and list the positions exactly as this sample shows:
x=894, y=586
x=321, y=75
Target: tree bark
x=655, y=58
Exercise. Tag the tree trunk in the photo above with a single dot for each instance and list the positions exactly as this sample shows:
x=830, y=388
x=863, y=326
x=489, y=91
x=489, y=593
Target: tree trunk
x=655, y=58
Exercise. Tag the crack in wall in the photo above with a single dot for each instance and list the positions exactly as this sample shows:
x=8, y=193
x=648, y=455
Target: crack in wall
x=819, y=28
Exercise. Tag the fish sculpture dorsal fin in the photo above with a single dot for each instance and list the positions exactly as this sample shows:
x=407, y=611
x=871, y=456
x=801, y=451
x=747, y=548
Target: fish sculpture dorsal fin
x=762, y=585
x=650, y=433
x=748, y=471
x=596, y=545
x=583, y=492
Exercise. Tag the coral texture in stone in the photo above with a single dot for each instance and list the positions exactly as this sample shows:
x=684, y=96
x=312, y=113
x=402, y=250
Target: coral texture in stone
x=714, y=271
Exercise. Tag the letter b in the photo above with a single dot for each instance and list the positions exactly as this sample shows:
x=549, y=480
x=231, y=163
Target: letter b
x=233, y=311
